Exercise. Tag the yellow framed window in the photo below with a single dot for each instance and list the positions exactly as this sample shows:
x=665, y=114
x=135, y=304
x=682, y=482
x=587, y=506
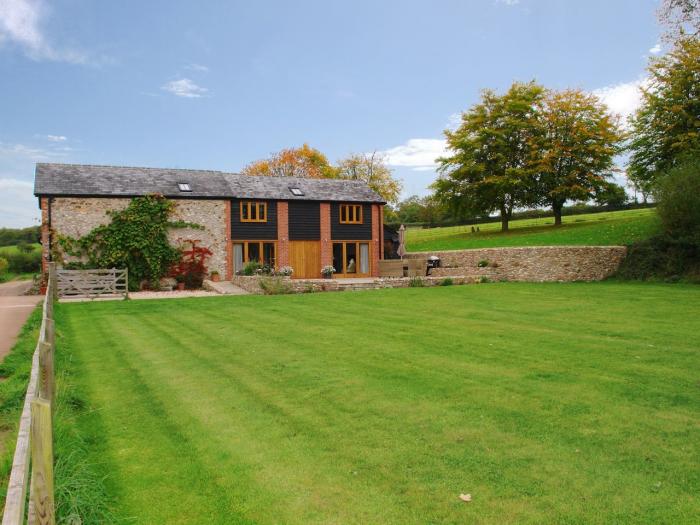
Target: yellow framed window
x=350, y=214
x=264, y=252
x=253, y=211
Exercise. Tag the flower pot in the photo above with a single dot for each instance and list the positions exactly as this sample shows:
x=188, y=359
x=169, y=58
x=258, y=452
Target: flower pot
x=328, y=276
x=180, y=286
x=215, y=277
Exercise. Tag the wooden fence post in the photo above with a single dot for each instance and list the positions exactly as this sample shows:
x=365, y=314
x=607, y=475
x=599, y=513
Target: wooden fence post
x=49, y=331
x=46, y=377
x=41, y=491
x=52, y=288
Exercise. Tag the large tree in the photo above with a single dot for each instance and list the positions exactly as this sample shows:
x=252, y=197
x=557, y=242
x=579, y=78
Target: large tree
x=681, y=17
x=577, y=142
x=371, y=169
x=667, y=126
x=305, y=162
x=491, y=166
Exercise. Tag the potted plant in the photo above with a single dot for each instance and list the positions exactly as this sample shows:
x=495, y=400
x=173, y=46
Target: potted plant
x=180, y=279
x=215, y=276
x=285, y=271
x=327, y=272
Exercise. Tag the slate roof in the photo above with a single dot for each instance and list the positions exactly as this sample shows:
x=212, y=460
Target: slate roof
x=121, y=181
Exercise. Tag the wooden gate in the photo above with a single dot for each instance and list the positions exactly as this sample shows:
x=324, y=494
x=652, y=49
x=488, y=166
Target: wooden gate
x=305, y=258
x=92, y=283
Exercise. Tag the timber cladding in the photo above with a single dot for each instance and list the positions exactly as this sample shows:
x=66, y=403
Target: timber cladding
x=253, y=230
x=351, y=232
x=304, y=221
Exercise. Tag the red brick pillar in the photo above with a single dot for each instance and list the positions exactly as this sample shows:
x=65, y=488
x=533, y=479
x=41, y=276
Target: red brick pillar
x=381, y=231
x=229, y=244
x=376, y=237
x=45, y=235
x=282, y=234
x=326, y=244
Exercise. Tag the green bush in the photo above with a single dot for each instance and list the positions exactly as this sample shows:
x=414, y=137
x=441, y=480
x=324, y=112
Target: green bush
x=483, y=263
x=447, y=281
x=678, y=197
x=23, y=262
x=25, y=247
x=675, y=254
x=4, y=265
x=252, y=268
x=661, y=257
x=416, y=282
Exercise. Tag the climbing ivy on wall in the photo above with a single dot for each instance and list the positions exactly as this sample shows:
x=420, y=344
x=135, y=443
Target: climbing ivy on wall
x=136, y=238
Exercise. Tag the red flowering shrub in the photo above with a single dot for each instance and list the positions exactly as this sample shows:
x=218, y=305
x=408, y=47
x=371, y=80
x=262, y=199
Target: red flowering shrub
x=192, y=265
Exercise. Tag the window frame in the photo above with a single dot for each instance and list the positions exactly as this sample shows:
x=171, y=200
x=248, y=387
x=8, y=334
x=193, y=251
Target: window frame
x=248, y=206
x=342, y=272
x=261, y=250
x=353, y=214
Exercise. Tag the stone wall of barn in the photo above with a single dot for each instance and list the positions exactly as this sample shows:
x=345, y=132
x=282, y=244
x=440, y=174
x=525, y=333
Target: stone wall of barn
x=533, y=263
x=75, y=217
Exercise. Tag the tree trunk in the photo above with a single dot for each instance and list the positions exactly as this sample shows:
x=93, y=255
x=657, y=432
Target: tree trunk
x=557, y=208
x=505, y=217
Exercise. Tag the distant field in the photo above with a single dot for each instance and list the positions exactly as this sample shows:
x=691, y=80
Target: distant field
x=595, y=229
x=11, y=274
x=7, y=250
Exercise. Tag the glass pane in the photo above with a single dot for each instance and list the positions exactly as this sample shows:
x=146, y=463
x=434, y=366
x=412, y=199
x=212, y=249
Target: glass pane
x=261, y=211
x=253, y=211
x=343, y=213
x=350, y=257
x=254, y=251
x=269, y=253
x=244, y=211
x=338, y=257
x=364, y=257
x=237, y=257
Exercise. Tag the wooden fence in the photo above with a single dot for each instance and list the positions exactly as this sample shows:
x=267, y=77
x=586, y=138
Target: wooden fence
x=92, y=283
x=35, y=436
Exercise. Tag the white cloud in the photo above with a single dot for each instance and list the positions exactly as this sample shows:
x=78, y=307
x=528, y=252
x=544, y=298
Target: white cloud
x=623, y=99
x=22, y=152
x=197, y=67
x=21, y=24
x=56, y=138
x=18, y=206
x=656, y=49
x=417, y=154
x=508, y=2
x=184, y=87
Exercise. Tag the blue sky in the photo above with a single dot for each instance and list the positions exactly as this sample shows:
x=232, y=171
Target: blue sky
x=215, y=85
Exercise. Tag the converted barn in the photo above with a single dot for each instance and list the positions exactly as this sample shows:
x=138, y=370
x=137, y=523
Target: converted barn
x=281, y=221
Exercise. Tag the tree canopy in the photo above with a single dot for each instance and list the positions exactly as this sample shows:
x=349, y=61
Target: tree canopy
x=491, y=166
x=578, y=140
x=308, y=162
x=371, y=169
x=304, y=161
x=667, y=125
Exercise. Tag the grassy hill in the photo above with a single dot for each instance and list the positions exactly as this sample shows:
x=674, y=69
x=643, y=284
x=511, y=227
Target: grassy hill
x=594, y=229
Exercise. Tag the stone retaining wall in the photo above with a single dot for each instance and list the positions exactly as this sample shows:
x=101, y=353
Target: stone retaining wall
x=536, y=263
x=251, y=284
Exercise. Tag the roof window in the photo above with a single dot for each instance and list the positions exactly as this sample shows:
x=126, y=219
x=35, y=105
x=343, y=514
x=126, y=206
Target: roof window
x=296, y=192
x=184, y=186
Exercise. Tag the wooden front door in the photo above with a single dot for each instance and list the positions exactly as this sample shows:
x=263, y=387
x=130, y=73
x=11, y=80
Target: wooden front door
x=305, y=258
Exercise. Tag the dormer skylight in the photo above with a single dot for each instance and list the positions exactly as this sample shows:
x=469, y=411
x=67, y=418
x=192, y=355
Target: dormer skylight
x=184, y=186
x=296, y=192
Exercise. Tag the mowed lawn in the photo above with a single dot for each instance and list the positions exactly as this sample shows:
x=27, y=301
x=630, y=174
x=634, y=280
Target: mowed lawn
x=548, y=403
x=594, y=229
